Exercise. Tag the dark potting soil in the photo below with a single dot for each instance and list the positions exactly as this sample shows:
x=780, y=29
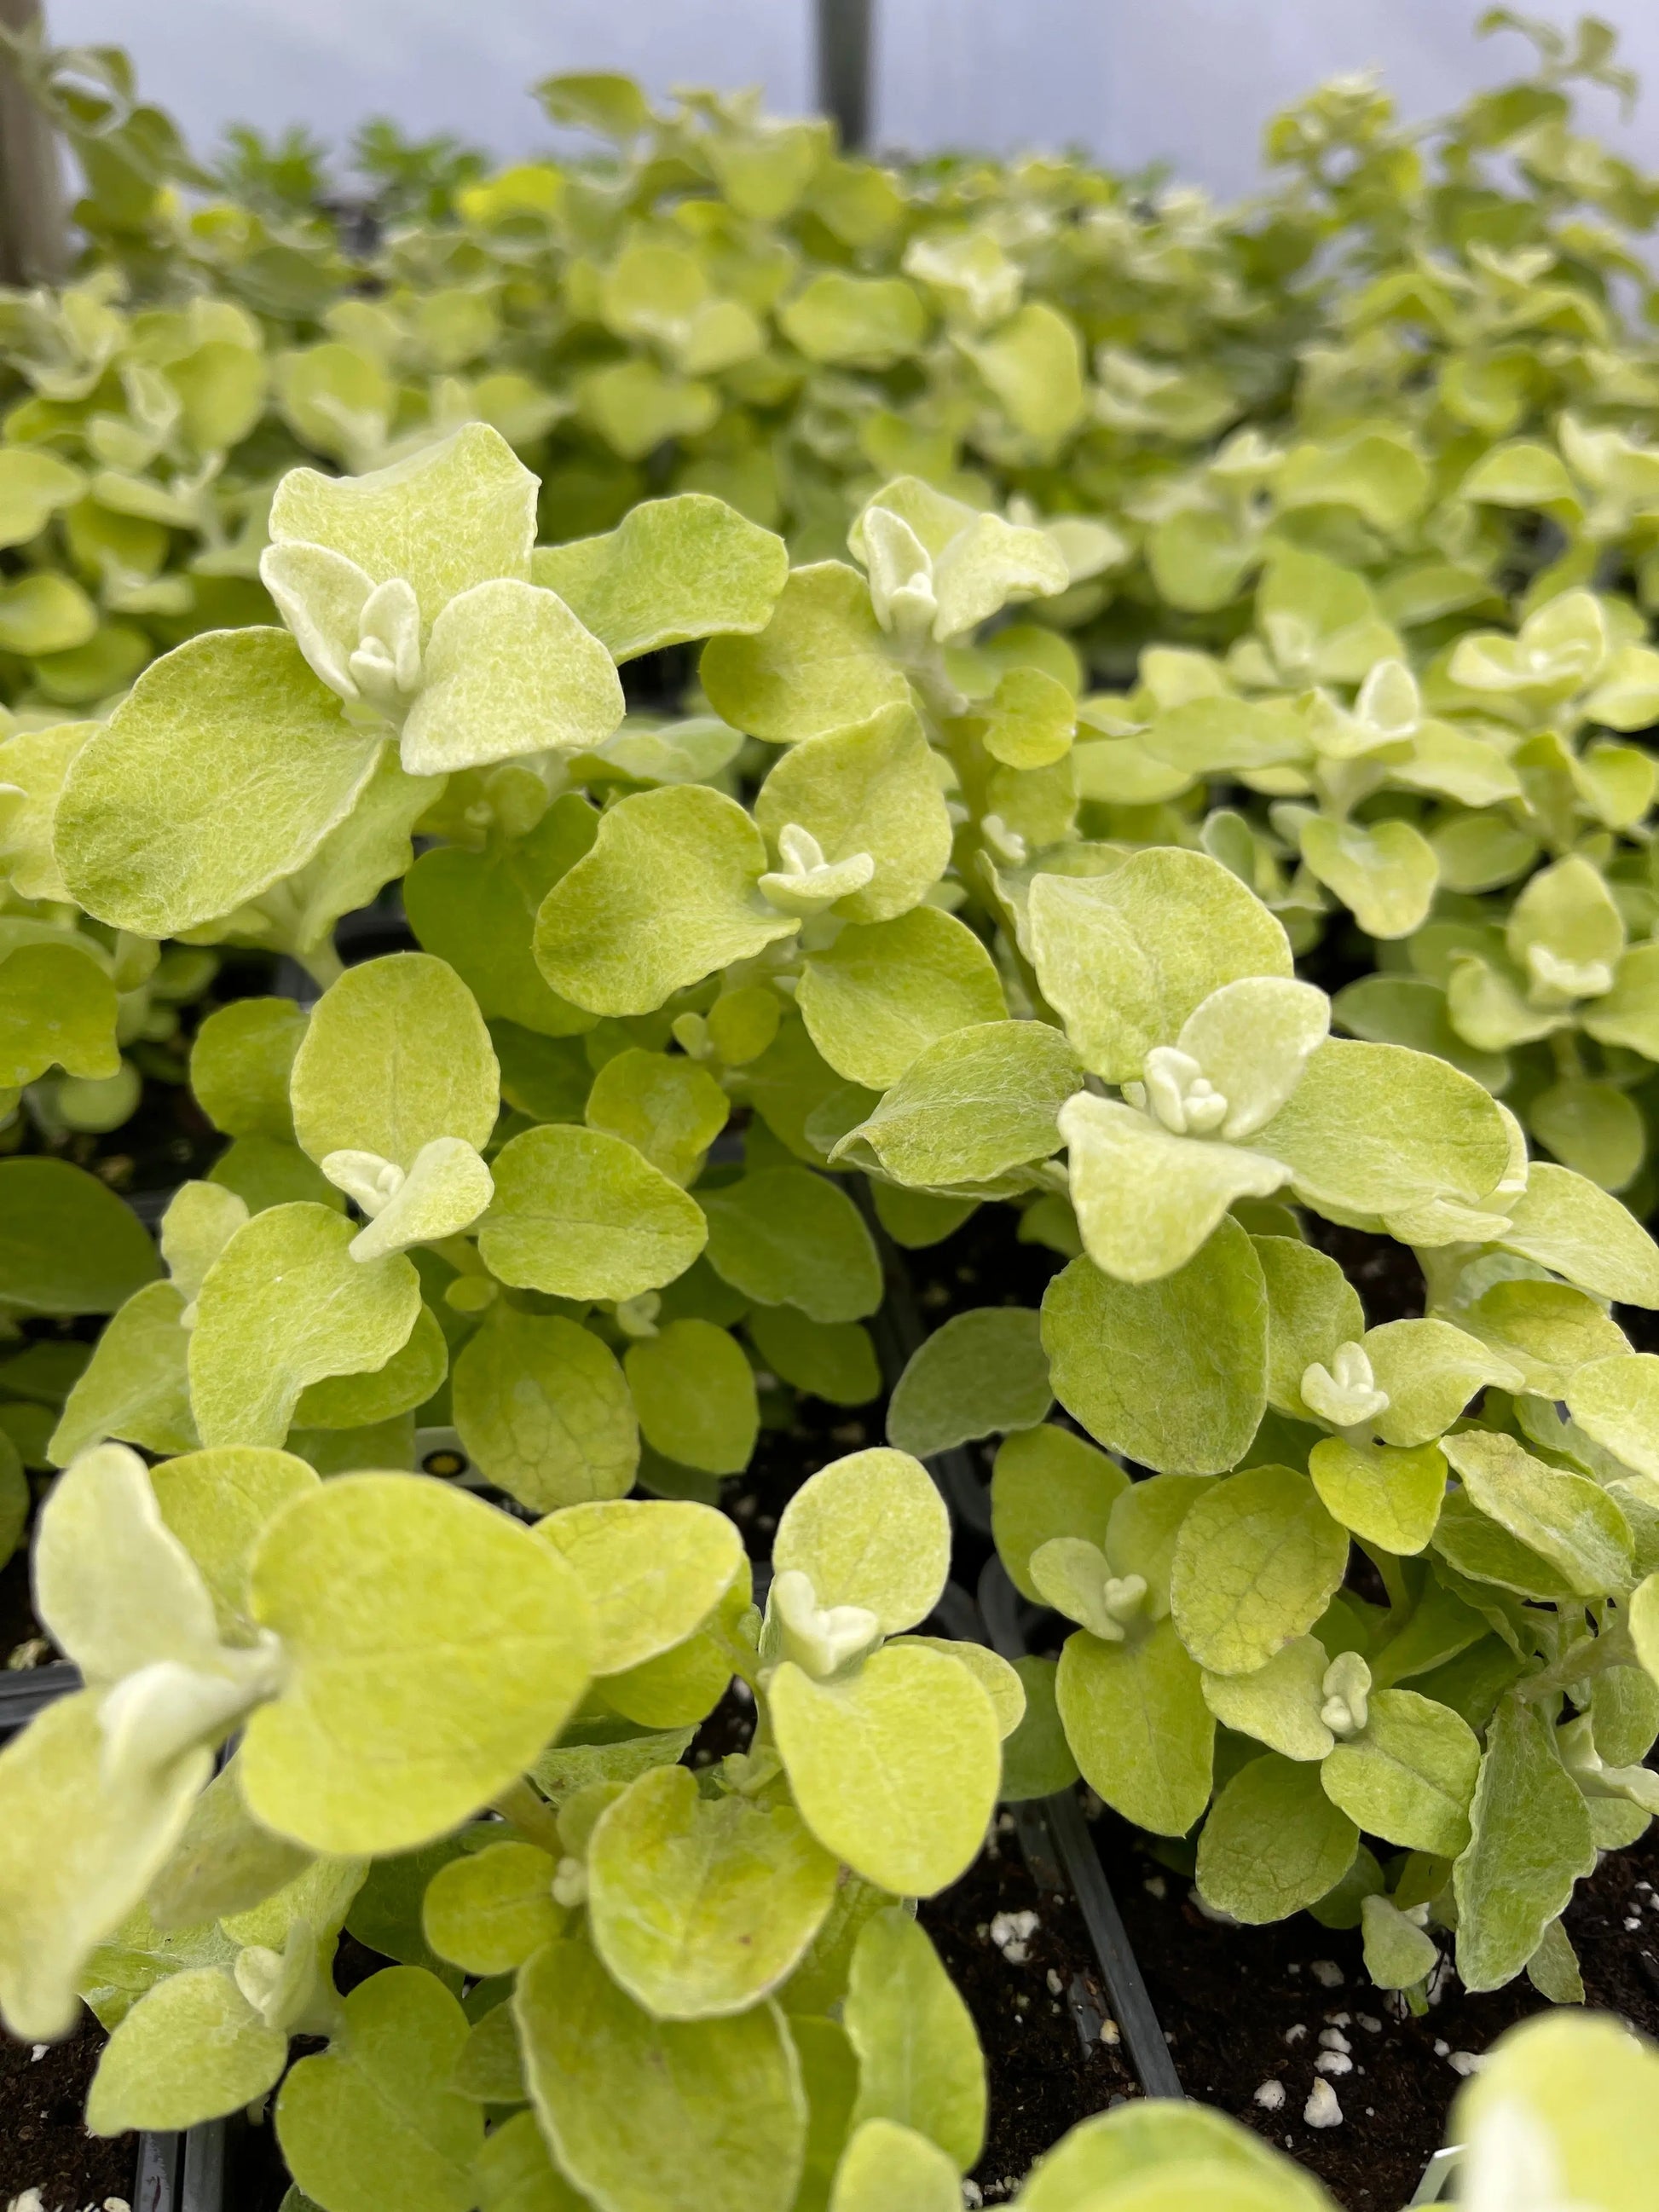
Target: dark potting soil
x=44, y=2143
x=1038, y=2004
x=1246, y=2007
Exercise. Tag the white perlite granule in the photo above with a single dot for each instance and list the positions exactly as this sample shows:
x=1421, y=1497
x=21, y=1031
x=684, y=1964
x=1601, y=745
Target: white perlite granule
x=1321, y=2109
x=1271, y=2096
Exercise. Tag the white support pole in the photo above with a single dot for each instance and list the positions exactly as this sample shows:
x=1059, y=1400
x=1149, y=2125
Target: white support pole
x=33, y=239
x=844, y=67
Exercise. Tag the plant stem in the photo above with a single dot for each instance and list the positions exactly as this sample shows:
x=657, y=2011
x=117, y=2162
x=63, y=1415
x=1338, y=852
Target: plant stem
x=531, y=1815
x=324, y=966
x=1392, y=1574
x=1589, y=1656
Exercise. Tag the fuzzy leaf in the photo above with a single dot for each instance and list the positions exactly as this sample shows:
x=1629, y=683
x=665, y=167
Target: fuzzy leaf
x=542, y=1409
x=975, y=1104
x=1409, y=1775
x=884, y=992
x=674, y=569
x=583, y=1215
x=984, y=1373
x=191, y=2049
x=1138, y=1726
x=1566, y=1518
x=1257, y=1561
x=1274, y=1844
x=1146, y=1200
x=1530, y=1842
x=1171, y=1373
x=649, y=2115
x=919, y=2056
x=819, y=665
x=700, y=1907
x=654, y=1571
x=870, y=788
x=224, y=768
x=1566, y=1224
x=394, y=1721
x=694, y=1395
x=508, y=670
x=786, y=1237
x=869, y=1530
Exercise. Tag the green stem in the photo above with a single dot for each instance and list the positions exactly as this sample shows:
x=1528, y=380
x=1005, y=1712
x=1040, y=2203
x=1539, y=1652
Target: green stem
x=1587, y=1657
x=1392, y=1574
x=324, y=965
x=531, y=1816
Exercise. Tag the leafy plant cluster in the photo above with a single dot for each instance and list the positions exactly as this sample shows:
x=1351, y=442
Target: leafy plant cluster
x=973, y=871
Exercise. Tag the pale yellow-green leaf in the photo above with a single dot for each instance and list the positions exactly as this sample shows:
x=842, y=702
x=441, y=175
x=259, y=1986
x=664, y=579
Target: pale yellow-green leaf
x=1171, y=1373
x=487, y=1911
x=666, y=895
x=1124, y=958
x=787, y=1236
x=1311, y=1309
x=667, y=1106
x=918, y=2057
x=542, y=1409
x=983, y=1373
x=1385, y=872
x=508, y=670
x=1530, y=1842
x=884, y=992
x=1146, y=1199
x=895, y=1768
x=1386, y=1496
x=515, y=2170
x=698, y=1907
x=1566, y=1518
x=870, y=1530
x=224, y=768
x=396, y=1053
x=374, y=2114
x=1145, y=2138
x=659, y=2116
x=1138, y=1726
x=674, y=569
x=452, y=515
x=654, y=1571
x=872, y=787
x=218, y=1505
x=1576, y=2097
x=1048, y=1482
x=395, y=1721
x=190, y=2050
x=1409, y=1774
x=1257, y=1561
x=583, y=1215
x=1565, y=1223
x=1274, y=1844
x=135, y=1386
x=1278, y=1703
x=820, y=664
x=1429, y=1370
x=887, y=2167
x=1616, y=1402
x=283, y=1306
x=974, y=1104
x=694, y=1392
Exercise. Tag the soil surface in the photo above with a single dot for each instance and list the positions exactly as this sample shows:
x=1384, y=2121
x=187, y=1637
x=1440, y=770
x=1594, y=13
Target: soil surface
x=1246, y=2007
x=1038, y=2003
x=44, y=2143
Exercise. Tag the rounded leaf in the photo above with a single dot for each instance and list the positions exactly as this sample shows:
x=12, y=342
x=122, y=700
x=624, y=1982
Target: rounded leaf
x=869, y=1530
x=541, y=1407
x=68, y=1245
x=787, y=1236
x=1274, y=1844
x=1138, y=1726
x=487, y=1911
x=654, y=1570
x=871, y=788
x=583, y=1215
x=191, y=2049
x=1256, y=1562
x=508, y=670
x=396, y=1719
x=694, y=1393
x=700, y=1906
x=984, y=1373
x=224, y=768
x=1048, y=1482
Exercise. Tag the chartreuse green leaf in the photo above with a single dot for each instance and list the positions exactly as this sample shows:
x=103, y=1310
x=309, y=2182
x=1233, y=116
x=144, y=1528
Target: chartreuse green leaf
x=284, y=1305
x=78, y=1848
x=1138, y=1726
x=1047, y=1482
x=1616, y=1402
x=1311, y=1309
x=1171, y=1373
x=394, y=1723
x=895, y=1766
x=1566, y=1519
x=1117, y=2156
x=968, y=1107
x=674, y=569
x=654, y=1571
x=694, y=1392
x=872, y=789
x=1429, y=1370
x=1408, y=1775
x=1037, y=1760
x=218, y=1505
x=1385, y=872
x=514, y=2172
x=984, y=1373
x=1146, y=1199
x=833, y=1360
x=1565, y=1223
x=375, y=2111
x=1565, y=2103
x=869, y=1530
x=68, y=1245
x=135, y=1386
x=16, y=1500
x=1278, y=1703
x=1377, y=1129
x=1274, y=1843
x=34, y=485
x=820, y=664
x=451, y=516
x=407, y=1380
x=870, y=321
x=583, y=1215
x=1530, y=1841
x=1385, y=1497
x=667, y=895
x=887, y=2167
x=225, y=1863
x=395, y=1071
x=884, y=992
x=239, y=1064
x=1257, y=1560
x=57, y=1009
x=787, y=1236
x=508, y=670
x=192, y=2049
x=542, y=1409
x=158, y=829
x=1000, y=1681
x=34, y=763
x=659, y=2116
x=918, y=2058
x=478, y=911
x=1124, y=958
x=667, y=1106
x=488, y=1911
x=700, y=1906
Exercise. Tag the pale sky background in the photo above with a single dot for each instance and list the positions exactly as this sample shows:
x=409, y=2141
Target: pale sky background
x=1188, y=81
